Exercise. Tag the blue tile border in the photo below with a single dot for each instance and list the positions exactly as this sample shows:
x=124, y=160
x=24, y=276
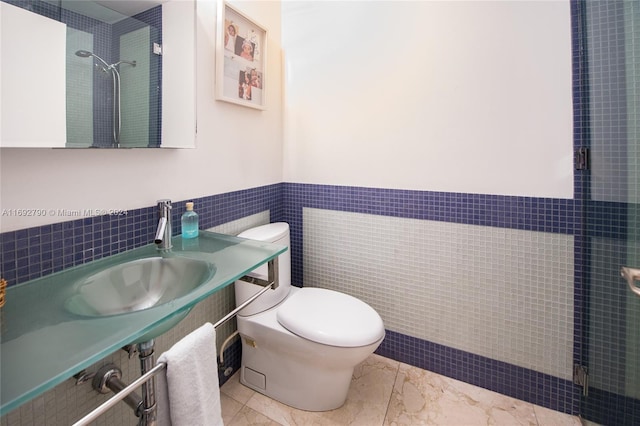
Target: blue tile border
x=31, y=253
x=513, y=212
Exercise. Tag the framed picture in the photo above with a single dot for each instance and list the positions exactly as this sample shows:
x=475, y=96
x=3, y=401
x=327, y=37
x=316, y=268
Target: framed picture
x=241, y=57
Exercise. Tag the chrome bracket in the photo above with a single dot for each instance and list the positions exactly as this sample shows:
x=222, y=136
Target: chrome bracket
x=581, y=159
x=83, y=377
x=107, y=380
x=272, y=276
x=581, y=378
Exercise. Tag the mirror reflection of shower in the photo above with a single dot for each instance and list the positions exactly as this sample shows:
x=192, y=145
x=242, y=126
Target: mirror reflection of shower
x=115, y=74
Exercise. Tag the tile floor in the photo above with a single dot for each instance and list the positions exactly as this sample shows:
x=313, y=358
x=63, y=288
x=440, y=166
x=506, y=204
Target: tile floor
x=390, y=393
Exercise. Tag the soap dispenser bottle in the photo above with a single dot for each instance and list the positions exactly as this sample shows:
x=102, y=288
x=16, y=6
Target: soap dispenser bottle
x=189, y=222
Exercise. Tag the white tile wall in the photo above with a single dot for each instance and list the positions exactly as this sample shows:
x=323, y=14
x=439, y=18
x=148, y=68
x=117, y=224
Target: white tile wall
x=134, y=46
x=501, y=293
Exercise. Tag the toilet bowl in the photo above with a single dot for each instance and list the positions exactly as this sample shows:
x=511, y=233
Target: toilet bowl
x=300, y=345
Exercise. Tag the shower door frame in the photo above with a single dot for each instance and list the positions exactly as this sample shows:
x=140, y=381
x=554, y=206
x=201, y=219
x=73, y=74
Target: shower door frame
x=599, y=221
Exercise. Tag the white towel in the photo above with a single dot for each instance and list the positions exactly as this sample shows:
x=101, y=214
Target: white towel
x=188, y=392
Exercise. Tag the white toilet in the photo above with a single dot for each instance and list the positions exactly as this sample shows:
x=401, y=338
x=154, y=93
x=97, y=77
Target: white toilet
x=300, y=345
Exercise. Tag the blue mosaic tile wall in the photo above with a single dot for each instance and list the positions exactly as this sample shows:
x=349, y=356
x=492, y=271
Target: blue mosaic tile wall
x=31, y=253
x=40, y=7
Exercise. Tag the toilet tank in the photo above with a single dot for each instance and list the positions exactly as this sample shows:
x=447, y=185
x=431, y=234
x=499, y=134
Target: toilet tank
x=276, y=233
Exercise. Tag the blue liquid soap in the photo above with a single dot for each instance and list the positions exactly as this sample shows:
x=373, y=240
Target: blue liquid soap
x=189, y=222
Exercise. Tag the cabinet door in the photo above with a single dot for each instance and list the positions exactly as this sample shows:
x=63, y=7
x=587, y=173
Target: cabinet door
x=32, y=80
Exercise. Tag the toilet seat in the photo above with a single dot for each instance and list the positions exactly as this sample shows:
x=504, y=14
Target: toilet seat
x=330, y=318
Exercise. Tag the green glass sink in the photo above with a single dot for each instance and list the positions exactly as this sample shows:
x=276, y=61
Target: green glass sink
x=138, y=285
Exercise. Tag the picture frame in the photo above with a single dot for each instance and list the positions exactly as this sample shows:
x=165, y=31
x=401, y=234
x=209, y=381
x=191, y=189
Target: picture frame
x=241, y=59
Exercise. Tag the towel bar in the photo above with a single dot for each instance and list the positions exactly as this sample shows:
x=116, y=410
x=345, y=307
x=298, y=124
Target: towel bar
x=239, y=308
x=101, y=409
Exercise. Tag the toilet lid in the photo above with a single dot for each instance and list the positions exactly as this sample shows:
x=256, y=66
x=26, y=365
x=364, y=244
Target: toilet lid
x=330, y=318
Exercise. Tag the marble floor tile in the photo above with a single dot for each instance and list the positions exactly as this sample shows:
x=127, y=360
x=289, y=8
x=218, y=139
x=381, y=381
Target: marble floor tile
x=421, y=397
x=248, y=417
x=548, y=417
x=230, y=407
x=384, y=392
x=237, y=391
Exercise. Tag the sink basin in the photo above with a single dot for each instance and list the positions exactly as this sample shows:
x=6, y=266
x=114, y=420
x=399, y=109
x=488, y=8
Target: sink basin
x=138, y=285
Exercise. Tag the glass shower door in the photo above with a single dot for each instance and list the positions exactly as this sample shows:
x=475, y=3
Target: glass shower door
x=612, y=213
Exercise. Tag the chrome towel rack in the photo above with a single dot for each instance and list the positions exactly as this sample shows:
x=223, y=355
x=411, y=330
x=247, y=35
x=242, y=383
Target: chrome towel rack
x=270, y=284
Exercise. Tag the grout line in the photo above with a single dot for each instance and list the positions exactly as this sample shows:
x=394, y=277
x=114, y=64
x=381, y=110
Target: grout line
x=535, y=414
x=393, y=388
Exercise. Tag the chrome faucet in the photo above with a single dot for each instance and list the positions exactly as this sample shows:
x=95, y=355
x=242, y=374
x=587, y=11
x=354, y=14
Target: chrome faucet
x=163, y=233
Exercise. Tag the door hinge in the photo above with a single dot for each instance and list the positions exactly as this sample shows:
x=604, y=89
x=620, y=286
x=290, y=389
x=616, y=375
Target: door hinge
x=581, y=378
x=582, y=159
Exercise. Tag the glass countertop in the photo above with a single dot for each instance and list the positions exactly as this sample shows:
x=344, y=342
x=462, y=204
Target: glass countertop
x=42, y=343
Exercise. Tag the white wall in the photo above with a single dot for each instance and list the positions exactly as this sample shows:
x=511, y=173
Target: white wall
x=459, y=96
x=447, y=96
x=236, y=148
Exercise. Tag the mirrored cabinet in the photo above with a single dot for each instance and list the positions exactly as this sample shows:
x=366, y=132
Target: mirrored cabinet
x=97, y=74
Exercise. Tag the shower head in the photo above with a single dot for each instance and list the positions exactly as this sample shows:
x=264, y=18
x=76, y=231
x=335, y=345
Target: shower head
x=84, y=53
x=87, y=54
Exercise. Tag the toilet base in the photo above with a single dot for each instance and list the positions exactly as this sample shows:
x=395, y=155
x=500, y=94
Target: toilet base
x=303, y=396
